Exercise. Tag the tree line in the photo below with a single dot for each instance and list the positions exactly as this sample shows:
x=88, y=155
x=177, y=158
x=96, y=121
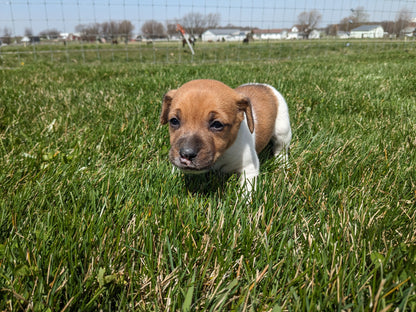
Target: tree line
x=196, y=23
x=110, y=31
x=308, y=21
x=359, y=17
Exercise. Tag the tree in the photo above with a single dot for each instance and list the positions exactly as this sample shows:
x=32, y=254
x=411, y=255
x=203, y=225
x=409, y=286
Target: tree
x=153, y=30
x=402, y=21
x=110, y=30
x=7, y=35
x=49, y=34
x=171, y=27
x=196, y=23
x=308, y=21
x=89, y=32
x=213, y=20
x=332, y=30
x=28, y=32
x=357, y=18
x=388, y=26
x=125, y=29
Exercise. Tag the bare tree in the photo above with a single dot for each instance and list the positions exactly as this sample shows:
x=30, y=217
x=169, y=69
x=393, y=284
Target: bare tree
x=308, y=21
x=28, y=32
x=125, y=29
x=50, y=34
x=388, y=26
x=171, y=27
x=332, y=29
x=89, y=32
x=107, y=30
x=359, y=15
x=153, y=30
x=110, y=30
x=196, y=23
x=213, y=20
x=357, y=18
x=402, y=21
x=7, y=35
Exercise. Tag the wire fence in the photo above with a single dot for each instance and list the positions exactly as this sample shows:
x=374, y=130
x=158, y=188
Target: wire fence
x=214, y=31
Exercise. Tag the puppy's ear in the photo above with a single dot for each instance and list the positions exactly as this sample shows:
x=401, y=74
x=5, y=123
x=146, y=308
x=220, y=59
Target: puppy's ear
x=167, y=101
x=244, y=104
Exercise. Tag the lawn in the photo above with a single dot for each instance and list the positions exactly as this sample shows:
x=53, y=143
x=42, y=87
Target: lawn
x=93, y=218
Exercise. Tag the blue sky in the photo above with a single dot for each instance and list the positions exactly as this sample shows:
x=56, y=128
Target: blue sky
x=64, y=15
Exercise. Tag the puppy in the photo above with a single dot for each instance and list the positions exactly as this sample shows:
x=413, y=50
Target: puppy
x=213, y=126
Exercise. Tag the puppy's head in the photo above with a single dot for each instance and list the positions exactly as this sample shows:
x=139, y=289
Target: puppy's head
x=204, y=117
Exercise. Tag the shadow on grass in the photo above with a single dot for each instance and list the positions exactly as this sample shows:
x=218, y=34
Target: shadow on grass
x=212, y=182
x=207, y=183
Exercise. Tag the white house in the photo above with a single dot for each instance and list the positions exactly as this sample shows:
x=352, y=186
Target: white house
x=367, y=31
x=408, y=31
x=64, y=36
x=269, y=34
x=314, y=34
x=342, y=35
x=224, y=35
x=294, y=33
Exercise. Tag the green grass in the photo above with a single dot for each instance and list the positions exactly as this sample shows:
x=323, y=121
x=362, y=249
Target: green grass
x=92, y=217
x=206, y=52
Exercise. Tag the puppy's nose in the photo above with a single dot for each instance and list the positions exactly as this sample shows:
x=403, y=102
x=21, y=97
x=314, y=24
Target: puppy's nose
x=187, y=153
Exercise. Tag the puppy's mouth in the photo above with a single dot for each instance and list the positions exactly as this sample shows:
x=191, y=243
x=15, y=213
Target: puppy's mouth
x=190, y=166
x=192, y=154
x=197, y=164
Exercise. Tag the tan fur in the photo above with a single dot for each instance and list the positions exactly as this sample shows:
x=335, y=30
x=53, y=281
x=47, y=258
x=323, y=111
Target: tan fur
x=264, y=105
x=196, y=104
x=213, y=126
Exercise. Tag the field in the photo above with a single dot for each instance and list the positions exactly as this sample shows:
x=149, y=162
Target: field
x=93, y=218
x=172, y=52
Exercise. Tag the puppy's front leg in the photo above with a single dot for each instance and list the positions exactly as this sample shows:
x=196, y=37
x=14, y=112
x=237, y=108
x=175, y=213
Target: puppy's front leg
x=248, y=178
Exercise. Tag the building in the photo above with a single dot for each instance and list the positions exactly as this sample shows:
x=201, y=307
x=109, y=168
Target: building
x=269, y=34
x=342, y=35
x=409, y=31
x=294, y=33
x=367, y=32
x=25, y=40
x=224, y=35
x=314, y=34
x=70, y=36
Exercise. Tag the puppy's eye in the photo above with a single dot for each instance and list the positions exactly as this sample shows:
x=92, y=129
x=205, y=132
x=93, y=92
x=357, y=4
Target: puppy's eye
x=174, y=122
x=216, y=126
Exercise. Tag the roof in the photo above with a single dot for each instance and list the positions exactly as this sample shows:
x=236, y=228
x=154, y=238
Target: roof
x=366, y=28
x=409, y=29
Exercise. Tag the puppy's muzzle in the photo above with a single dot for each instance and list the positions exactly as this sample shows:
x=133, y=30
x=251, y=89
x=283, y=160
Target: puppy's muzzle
x=189, y=154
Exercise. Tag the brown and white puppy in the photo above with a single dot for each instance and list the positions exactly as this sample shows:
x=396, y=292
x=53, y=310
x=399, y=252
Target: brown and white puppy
x=213, y=126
